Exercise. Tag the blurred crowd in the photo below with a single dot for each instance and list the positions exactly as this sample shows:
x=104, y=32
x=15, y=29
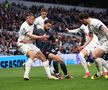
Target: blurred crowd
x=12, y=16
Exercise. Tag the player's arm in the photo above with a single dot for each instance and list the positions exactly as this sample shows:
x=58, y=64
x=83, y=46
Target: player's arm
x=32, y=36
x=105, y=30
x=90, y=37
x=36, y=22
x=73, y=30
x=99, y=25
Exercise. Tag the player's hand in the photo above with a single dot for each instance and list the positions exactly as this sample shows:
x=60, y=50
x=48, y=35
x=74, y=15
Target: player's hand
x=45, y=37
x=26, y=41
x=66, y=29
x=23, y=41
x=80, y=48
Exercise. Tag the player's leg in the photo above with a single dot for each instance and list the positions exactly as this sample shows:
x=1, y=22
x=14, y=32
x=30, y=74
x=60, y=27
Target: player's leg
x=82, y=55
x=62, y=64
x=51, y=56
x=104, y=47
x=100, y=50
x=28, y=64
x=105, y=68
x=105, y=72
x=96, y=55
x=56, y=70
x=51, y=67
x=102, y=70
x=56, y=67
x=88, y=60
x=45, y=62
x=25, y=49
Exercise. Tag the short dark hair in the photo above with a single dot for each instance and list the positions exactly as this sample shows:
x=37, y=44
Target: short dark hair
x=48, y=21
x=29, y=14
x=43, y=10
x=83, y=15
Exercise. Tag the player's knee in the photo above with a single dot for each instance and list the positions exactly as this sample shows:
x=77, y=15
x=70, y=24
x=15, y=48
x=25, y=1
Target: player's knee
x=43, y=58
x=57, y=58
x=94, y=56
x=97, y=60
x=61, y=62
x=96, y=63
x=81, y=54
x=31, y=55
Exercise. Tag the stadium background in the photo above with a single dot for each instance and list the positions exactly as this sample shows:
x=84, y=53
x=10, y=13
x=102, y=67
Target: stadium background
x=64, y=13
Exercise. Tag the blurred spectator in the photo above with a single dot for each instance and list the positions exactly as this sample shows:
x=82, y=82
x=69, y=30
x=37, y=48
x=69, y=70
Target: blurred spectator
x=16, y=52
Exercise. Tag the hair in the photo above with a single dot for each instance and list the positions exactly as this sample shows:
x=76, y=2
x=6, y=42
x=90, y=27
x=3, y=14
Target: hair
x=29, y=14
x=43, y=10
x=48, y=21
x=83, y=15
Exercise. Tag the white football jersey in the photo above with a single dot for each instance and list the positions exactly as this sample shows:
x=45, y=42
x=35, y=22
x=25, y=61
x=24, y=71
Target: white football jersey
x=24, y=29
x=39, y=22
x=94, y=27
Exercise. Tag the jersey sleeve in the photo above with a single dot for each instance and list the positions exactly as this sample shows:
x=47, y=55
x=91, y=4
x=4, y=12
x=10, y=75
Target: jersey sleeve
x=35, y=22
x=82, y=27
x=39, y=32
x=97, y=24
x=25, y=30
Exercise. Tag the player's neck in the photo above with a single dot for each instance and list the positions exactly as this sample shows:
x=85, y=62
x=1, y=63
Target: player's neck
x=89, y=20
x=29, y=23
x=43, y=17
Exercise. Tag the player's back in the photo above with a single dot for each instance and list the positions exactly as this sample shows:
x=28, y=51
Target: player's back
x=94, y=26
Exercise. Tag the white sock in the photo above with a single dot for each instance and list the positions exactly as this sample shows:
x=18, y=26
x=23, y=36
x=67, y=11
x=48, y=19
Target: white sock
x=83, y=62
x=99, y=65
x=52, y=69
x=104, y=69
x=104, y=63
x=28, y=65
x=47, y=69
x=29, y=61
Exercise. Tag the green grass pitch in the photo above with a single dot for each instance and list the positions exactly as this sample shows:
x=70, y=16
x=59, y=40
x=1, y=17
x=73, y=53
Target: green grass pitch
x=12, y=79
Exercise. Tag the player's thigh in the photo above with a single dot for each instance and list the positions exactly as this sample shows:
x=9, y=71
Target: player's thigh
x=104, y=47
x=41, y=56
x=54, y=57
x=97, y=53
x=24, y=49
x=85, y=51
x=34, y=48
x=31, y=54
x=100, y=50
x=27, y=50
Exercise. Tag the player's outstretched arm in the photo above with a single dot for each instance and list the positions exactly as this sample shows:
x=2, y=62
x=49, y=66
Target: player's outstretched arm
x=73, y=30
x=32, y=36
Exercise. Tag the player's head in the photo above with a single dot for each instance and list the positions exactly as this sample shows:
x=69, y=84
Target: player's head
x=43, y=12
x=47, y=24
x=30, y=18
x=84, y=18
